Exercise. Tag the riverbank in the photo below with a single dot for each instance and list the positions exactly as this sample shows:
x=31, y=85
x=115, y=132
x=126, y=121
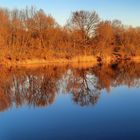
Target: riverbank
x=62, y=61
x=59, y=61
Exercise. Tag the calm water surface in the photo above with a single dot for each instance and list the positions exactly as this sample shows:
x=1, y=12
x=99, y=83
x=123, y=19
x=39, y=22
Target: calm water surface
x=82, y=103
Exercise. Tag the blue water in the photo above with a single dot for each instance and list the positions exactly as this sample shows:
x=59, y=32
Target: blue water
x=116, y=115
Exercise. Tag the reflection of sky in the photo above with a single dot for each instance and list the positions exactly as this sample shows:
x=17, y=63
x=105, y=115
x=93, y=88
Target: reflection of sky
x=116, y=114
x=126, y=10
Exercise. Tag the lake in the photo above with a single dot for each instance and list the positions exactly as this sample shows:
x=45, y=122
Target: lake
x=70, y=102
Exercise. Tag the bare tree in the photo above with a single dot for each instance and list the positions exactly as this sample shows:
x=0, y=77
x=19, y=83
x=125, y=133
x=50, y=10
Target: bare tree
x=86, y=22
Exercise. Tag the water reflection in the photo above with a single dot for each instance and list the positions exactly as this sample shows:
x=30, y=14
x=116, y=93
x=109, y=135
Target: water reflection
x=40, y=87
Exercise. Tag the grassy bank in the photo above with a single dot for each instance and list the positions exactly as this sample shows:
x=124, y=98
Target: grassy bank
x=62, y=61
x=59, y=61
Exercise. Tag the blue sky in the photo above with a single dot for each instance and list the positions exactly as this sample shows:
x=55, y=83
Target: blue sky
x=128, y=11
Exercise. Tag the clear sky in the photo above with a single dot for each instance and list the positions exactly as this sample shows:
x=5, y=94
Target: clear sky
x=128, y=11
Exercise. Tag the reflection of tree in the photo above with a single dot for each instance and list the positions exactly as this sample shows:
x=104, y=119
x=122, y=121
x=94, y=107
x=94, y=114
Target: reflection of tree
x=4, y=101
x=126, y=73
x=39, y=87
x=37, y=91
x=32, y=88
x=84, y=88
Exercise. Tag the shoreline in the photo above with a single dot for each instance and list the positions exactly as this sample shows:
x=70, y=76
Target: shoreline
x=62, y=61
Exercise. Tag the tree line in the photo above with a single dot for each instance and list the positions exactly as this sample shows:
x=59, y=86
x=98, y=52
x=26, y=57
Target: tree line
x=30, y=33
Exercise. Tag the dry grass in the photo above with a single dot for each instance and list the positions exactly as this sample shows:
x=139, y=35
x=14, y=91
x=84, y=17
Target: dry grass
x=75, y=61
x=59, y=61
